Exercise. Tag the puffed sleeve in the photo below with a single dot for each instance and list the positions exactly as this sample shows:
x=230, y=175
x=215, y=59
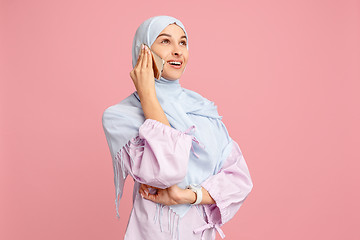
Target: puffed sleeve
x=158, y=156
x=229, y=188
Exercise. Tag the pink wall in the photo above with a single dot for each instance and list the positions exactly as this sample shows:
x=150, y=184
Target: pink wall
x=284, y=74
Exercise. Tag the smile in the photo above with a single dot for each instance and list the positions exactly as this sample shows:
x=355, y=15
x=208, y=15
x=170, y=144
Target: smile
x=175, y=64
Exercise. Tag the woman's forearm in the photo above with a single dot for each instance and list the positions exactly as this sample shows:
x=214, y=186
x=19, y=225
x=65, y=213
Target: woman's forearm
x=152, y=108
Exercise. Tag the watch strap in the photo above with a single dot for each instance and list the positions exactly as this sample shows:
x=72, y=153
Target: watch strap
x=197, y=189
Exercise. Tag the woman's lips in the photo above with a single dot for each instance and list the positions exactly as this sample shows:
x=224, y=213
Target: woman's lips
x=175, y=66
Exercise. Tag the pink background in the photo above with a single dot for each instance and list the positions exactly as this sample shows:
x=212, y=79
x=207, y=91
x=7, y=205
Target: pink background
x=284, y=74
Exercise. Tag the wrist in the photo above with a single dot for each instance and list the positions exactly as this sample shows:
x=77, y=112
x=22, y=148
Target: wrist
x=147, y=94
x=197, y=189
x=149, y=102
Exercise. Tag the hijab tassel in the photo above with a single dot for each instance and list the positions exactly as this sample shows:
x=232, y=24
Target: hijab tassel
x=192, y=128
x=158, y=214
x=118, y=166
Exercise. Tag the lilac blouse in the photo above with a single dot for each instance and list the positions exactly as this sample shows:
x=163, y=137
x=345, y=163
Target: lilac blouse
x=158, y=157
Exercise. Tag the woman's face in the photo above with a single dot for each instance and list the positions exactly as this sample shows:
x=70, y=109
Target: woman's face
x=170, y=45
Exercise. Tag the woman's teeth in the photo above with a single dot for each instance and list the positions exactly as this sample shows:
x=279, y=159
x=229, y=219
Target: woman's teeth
x=175, y=63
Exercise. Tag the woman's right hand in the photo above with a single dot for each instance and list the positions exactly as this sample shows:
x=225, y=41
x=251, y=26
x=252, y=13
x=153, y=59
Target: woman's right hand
x=143, y=73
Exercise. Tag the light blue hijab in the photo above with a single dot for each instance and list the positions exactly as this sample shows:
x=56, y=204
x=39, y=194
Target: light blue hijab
x=183, y=108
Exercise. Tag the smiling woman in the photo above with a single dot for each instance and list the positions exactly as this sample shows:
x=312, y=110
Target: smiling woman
x=171, y=45
x=190, y=175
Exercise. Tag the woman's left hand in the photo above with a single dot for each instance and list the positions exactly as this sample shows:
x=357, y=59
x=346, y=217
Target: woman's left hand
x=168, y=196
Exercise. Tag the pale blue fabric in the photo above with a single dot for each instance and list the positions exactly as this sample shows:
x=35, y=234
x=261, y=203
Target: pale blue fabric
x=183, y=108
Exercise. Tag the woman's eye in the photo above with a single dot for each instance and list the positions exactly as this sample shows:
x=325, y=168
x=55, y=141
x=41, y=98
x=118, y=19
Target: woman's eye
x=166, y=40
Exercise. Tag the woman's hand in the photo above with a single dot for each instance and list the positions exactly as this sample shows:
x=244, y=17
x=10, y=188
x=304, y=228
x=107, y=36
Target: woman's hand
x=169, y=196
x=143, y=73
x=144, y=81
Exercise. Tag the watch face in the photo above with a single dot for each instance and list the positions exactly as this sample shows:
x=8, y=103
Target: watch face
x=194, y=186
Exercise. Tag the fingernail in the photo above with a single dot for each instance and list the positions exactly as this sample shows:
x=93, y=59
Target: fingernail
x=142, y=46
x=142, y=195
x=147, y=193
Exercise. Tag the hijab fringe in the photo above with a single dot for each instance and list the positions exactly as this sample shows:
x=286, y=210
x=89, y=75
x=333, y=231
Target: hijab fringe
x=119, y=164
x=173, y=219
x=192, y=129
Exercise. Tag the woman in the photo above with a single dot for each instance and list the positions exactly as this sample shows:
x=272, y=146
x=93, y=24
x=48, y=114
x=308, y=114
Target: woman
x=190, y=176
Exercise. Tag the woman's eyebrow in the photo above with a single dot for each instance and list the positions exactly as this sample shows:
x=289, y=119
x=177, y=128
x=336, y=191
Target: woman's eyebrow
x=168, y=35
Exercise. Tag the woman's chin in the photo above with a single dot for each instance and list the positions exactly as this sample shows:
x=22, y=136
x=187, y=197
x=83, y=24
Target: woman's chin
x=171, y=77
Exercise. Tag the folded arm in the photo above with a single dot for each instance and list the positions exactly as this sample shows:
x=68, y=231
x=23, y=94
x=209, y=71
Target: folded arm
x=229, y=188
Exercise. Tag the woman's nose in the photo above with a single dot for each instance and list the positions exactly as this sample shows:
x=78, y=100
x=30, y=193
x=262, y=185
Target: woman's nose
x=177, y=51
